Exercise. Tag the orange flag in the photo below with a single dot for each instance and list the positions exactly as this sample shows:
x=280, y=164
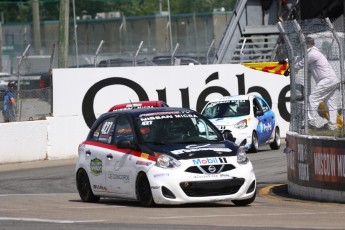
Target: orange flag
x=281, y=68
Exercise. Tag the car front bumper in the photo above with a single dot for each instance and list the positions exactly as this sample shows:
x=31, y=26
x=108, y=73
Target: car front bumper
x=175, y=186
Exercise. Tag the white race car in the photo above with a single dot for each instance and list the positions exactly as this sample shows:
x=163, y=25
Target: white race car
x=249, y=118
x=162, y=156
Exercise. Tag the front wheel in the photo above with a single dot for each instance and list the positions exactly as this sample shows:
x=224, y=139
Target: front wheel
x=143, y=190
x=244, y=202
x=276, y=143
x=84, y=187
x=255, y=143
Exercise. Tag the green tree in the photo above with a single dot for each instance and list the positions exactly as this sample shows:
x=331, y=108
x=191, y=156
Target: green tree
x=21, y=10
x=15, y=11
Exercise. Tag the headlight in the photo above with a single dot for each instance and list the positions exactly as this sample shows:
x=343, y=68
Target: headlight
x=165, y=161
x=241, y=124
x=242, y=156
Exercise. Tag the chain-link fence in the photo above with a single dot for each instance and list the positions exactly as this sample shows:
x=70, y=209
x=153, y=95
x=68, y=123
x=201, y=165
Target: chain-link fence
x=132, y=41
x=192, y=35
x=33, y=93
x=317, y=104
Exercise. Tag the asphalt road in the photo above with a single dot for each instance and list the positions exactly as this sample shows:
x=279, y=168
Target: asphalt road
x=42, y=195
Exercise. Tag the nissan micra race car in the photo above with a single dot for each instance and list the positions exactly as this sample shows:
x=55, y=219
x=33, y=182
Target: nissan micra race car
x=162, y=156
x=249, y=118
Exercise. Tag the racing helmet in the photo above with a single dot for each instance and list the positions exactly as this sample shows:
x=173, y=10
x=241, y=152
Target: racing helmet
x=12, y=85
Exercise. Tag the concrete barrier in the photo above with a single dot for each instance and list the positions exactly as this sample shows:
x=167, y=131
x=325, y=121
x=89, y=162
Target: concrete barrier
x=54, y=138
x=23, y=141
x=316, y=167
x=64, y=136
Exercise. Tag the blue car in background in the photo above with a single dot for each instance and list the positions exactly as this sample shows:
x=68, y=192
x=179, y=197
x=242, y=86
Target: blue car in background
x=248, y=117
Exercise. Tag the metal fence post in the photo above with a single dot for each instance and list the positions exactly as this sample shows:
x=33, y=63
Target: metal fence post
x=97, y=51
x=341, y=59
x=173, y=54
x=136, y=54
x=306, y=78
x=208, y=51
x=293, y=125
x=18, y=89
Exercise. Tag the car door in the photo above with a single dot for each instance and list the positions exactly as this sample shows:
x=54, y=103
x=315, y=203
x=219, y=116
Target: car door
x=265, y=121
x=119, y=170
x=96, y=150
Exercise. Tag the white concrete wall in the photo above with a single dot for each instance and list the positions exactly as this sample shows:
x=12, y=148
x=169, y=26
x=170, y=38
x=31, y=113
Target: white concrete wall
x=64, y=136
x=23, y=141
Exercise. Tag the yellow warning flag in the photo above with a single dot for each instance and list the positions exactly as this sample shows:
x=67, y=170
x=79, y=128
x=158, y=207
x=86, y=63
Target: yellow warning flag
x=281, y=68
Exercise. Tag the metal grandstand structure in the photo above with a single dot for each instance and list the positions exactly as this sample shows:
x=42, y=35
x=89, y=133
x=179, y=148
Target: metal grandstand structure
x=246, y=39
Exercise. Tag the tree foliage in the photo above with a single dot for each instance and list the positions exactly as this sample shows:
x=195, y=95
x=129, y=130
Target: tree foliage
x=21, y=10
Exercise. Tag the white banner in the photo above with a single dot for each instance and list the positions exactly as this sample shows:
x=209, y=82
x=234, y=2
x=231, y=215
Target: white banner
x=89, y=92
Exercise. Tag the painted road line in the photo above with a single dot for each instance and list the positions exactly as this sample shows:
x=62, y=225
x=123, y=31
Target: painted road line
x=247, y=215
x=49, y=220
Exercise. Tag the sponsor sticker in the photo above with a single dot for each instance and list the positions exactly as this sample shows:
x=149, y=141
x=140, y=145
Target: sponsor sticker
x=166, y=115
x=210, y=161
x=206, y=176
x=145, y=163
x=96, y=166
x=160, y=174
x=267, y=127
x=99, y=187
x=189, y=149
x=113, y=176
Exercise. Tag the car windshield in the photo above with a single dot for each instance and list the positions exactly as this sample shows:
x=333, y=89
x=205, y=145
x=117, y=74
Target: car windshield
x=230, y=108
x=176, y=128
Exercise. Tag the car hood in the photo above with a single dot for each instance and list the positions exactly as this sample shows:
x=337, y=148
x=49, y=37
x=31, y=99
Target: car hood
x=200, y=150
x=228, y=120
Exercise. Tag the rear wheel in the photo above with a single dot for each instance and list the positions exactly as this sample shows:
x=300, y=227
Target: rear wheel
x=276, y=143
x=84, y=187
x=255, y=143
x=244, y=202
x=143, y=190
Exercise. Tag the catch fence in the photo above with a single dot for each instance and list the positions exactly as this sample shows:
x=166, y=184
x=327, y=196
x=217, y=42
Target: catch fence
x=330, y=43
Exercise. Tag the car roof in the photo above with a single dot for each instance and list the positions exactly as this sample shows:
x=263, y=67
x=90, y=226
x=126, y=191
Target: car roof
x=137, y=104
x=237, y=97
x=137, y=112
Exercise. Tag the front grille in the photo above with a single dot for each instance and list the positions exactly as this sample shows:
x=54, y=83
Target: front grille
x=204, y=169
x=211, y=188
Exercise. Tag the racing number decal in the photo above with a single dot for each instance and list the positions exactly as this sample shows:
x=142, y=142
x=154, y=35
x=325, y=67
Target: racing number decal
x=106, y=127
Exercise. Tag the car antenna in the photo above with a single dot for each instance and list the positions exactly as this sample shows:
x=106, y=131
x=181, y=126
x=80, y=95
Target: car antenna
x=131, y=102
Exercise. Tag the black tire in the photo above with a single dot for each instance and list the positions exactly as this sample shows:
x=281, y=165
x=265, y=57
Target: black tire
x=84, y=187
x=255, y=143
x=143, y=190
x=244, y=202
x=276, y=143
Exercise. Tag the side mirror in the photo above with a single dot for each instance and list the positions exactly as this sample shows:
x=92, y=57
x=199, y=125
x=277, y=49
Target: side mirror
x=125, y=144
x=259, y=113
x=227, y=135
